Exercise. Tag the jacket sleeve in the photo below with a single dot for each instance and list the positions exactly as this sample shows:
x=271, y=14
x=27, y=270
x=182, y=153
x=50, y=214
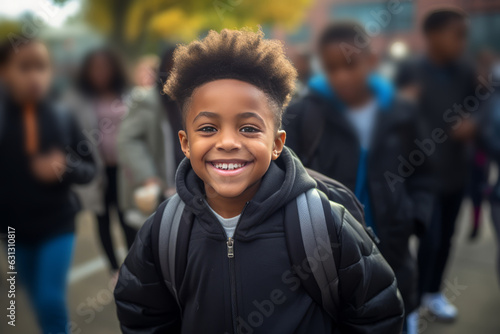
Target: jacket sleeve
x=143, y=302
x=133, y=152
x=80, y=165
x=369, y=297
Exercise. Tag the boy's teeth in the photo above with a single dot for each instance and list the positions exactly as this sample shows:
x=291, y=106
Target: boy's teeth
x=229, y=166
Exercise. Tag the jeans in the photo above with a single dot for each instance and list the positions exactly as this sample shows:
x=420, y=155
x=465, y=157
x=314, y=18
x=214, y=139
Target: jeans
x=43, y=269
x=435, y=245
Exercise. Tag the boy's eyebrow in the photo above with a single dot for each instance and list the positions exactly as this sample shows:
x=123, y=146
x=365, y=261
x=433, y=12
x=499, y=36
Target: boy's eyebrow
x=244, y=115
x=250, y=114
x=208, y=114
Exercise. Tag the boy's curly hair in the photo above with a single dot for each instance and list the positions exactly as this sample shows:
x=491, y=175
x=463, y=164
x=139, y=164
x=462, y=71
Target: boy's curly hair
x=233, y=54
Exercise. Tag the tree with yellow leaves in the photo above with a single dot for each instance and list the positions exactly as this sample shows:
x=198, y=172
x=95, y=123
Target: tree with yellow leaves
x=129, y=23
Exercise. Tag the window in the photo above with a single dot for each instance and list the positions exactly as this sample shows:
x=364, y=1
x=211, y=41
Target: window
x=377, y=12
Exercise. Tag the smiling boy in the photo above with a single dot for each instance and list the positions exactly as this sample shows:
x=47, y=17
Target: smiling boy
x=234, y=191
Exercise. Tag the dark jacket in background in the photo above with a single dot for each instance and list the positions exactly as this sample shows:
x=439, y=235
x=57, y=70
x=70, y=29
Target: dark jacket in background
x=397, y=211
x=369, y=297
x=440, y=88
x=35, y=209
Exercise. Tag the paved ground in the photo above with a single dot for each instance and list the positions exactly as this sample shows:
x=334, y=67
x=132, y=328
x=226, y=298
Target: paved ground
x=92, y=309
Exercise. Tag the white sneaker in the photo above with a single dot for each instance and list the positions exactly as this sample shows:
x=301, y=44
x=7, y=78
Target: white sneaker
x=412, y=322
x=438, y=305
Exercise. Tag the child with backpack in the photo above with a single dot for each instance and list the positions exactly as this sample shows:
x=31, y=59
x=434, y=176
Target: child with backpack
x=249, y=244
x=352, y=127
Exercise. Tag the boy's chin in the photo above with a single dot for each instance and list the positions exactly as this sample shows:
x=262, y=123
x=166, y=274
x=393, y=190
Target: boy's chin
x=229, y=191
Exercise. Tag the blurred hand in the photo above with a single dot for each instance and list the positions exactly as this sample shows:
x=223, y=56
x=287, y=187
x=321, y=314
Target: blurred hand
x=49, y=167
x=152, y=181
x=146, y=198
x=465, y=131
x=410, y=92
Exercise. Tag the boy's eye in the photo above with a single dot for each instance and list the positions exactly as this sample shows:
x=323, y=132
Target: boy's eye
x=249, y=129
x=208, y=129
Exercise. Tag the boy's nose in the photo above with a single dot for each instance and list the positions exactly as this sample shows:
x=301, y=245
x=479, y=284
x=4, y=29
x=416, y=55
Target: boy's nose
x=228, y=141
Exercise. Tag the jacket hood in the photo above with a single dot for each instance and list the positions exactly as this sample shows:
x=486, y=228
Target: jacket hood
x=285, y=179
x=381, y=88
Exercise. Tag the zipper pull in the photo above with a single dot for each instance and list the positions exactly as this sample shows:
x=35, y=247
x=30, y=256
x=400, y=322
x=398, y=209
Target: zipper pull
x=230, y=248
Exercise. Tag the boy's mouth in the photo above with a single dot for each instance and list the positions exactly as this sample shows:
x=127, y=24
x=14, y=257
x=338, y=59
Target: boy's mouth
x=229, y=166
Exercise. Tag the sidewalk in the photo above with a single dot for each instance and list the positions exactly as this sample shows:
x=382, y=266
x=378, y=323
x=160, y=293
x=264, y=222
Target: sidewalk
x=472, y=281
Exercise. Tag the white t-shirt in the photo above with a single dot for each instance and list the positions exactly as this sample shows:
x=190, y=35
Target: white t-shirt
x=363, y=120
x=229, y=224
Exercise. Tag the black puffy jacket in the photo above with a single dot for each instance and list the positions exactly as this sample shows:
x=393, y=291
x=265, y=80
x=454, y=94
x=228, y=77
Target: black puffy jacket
x=255, y=293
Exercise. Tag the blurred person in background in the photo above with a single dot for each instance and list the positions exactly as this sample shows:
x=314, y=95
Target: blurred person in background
x=478, y=180
x=443, y=80
x=489, y=142
x=174, y=115
x=98, y=103
x=352, y=127
x=147, y=142
x=42, y=153
x=301, y=60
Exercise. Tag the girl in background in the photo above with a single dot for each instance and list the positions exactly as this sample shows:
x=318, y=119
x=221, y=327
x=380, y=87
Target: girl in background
x=101, y=85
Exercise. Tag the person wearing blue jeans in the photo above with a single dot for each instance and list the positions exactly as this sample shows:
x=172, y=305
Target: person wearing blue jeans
x=43, y=153
x=43, y=269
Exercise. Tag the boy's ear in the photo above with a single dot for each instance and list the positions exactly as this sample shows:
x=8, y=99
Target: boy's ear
x=279, y=143
x=184, y=143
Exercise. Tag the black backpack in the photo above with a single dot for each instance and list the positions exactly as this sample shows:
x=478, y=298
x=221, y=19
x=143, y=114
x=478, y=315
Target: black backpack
x=306, y=224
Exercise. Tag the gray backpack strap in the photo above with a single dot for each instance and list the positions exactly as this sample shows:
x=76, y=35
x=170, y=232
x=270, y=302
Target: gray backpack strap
x=315, y=236
x=169, y=228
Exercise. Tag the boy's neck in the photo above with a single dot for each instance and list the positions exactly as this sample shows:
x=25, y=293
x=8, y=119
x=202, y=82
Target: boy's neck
x=438, y=59
x=229, y=207
x=22, y=102
x=363, y=98
x=107, y=96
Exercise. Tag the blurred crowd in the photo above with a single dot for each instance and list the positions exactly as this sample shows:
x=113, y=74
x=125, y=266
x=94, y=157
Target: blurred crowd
x=410, y=146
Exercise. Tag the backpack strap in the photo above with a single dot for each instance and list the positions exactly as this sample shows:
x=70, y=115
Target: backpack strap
x=167, y=228
x=318, y=237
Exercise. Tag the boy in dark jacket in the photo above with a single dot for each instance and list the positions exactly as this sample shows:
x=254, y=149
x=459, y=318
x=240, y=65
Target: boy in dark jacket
x=235, y=184
x=42, y=153
x=352, y=128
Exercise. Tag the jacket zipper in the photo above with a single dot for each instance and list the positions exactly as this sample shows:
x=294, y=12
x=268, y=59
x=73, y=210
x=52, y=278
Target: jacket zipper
x=232, y=271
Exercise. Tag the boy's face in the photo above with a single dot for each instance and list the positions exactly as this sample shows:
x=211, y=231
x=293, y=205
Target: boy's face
x=347, y=74
x=28, y=73
x=230, y=137
x=451, y=40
